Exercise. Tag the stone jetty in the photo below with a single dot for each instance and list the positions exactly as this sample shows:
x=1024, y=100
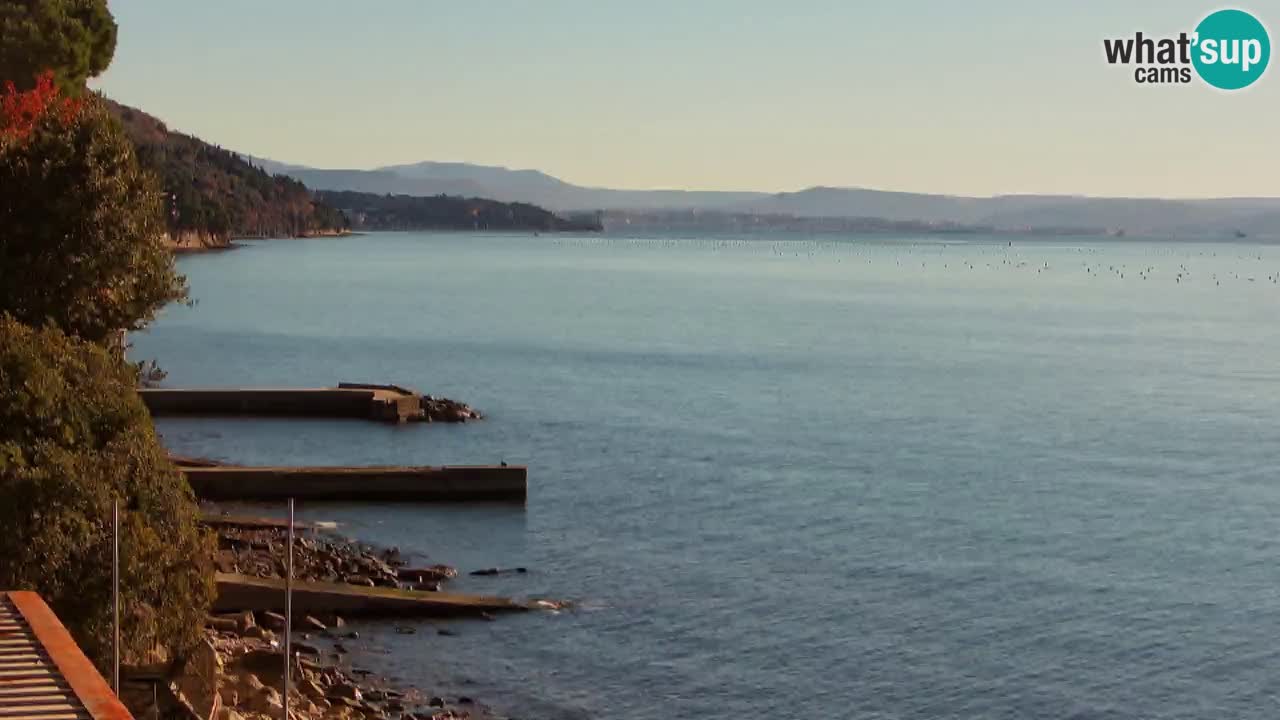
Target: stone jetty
x=243, y=592
x=383, y=403
x=452, y=483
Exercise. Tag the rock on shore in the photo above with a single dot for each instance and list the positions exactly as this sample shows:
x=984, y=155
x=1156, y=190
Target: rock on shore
x=237, y=670
x=436, y=409
x=260, y=552
x=188, y=241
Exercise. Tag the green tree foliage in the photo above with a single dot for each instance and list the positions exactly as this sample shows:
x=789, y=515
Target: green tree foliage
x=74, y=436
x=216, y=191
x=81, y=224
x=446, y=212
x=74, y=38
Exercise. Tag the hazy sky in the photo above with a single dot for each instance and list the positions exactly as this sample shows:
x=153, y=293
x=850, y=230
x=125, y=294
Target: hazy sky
x=979, y=97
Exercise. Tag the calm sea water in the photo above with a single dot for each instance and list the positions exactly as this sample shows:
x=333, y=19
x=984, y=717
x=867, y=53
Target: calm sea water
x=794, y=477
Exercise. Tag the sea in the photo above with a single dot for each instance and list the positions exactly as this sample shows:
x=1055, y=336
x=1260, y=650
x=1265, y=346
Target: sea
x=882, y=476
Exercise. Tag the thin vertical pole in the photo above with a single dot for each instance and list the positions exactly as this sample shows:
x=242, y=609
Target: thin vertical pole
x=115, y=596
x=288, y=613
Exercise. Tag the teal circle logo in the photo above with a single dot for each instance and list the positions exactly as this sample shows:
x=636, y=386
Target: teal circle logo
x=1232, y=49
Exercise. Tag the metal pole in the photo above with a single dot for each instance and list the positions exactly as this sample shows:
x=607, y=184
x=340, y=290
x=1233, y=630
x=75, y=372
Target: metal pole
x=288, y=613
x=115, y=596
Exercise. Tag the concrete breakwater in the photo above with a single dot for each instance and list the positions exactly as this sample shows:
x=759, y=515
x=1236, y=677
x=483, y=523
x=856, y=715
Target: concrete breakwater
x=250, y=522
x=506, y=483
x=244, y=592
x=385, y=403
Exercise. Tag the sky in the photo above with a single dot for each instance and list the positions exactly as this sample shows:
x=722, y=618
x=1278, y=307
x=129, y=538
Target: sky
x=975, y=98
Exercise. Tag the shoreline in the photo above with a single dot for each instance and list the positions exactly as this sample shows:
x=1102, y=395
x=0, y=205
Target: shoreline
x=214, y=245
x=235, y=670
x=193, y=242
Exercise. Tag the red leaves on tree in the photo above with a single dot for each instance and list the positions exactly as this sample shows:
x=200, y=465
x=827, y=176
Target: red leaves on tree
x=22, y=112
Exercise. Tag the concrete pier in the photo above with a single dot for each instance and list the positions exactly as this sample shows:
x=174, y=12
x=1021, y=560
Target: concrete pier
x=243, y=592
x=507, y=483
x=386, y=403
x=250, y=522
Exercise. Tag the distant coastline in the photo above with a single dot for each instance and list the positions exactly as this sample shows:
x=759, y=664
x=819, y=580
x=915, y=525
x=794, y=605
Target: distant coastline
x=822, y=206
x=371, y=211
x=200, y=241
x=741, y=222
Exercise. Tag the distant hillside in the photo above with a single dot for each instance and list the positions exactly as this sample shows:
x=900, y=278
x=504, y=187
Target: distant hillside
x=695, y=221
x=531, y=182
x=369, y=211
x=857, y=202
x=382, y=182
x=216, y=194
x=1207, y=219
x=530, y=186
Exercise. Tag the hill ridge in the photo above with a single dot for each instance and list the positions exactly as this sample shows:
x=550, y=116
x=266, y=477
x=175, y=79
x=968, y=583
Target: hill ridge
x=1204, y=218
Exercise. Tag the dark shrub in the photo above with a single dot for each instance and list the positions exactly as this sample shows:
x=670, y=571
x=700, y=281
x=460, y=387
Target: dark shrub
x=81, y=226
x=74, y=436
x=74, y=38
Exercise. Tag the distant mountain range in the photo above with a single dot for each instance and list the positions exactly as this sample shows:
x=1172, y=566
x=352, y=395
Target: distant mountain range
x=499, y=183
x=1215, y=218
x=215, y=195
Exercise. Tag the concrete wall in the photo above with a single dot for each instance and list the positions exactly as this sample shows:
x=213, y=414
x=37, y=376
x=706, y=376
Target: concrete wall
x=241, y=592
x=317, y=402
x=426, y=484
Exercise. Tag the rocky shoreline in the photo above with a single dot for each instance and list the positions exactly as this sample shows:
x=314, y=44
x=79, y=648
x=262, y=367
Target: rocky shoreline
x=438, y=409
x=201, y=241
x=260, y=552
x=236, y=671
x=196, y=241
